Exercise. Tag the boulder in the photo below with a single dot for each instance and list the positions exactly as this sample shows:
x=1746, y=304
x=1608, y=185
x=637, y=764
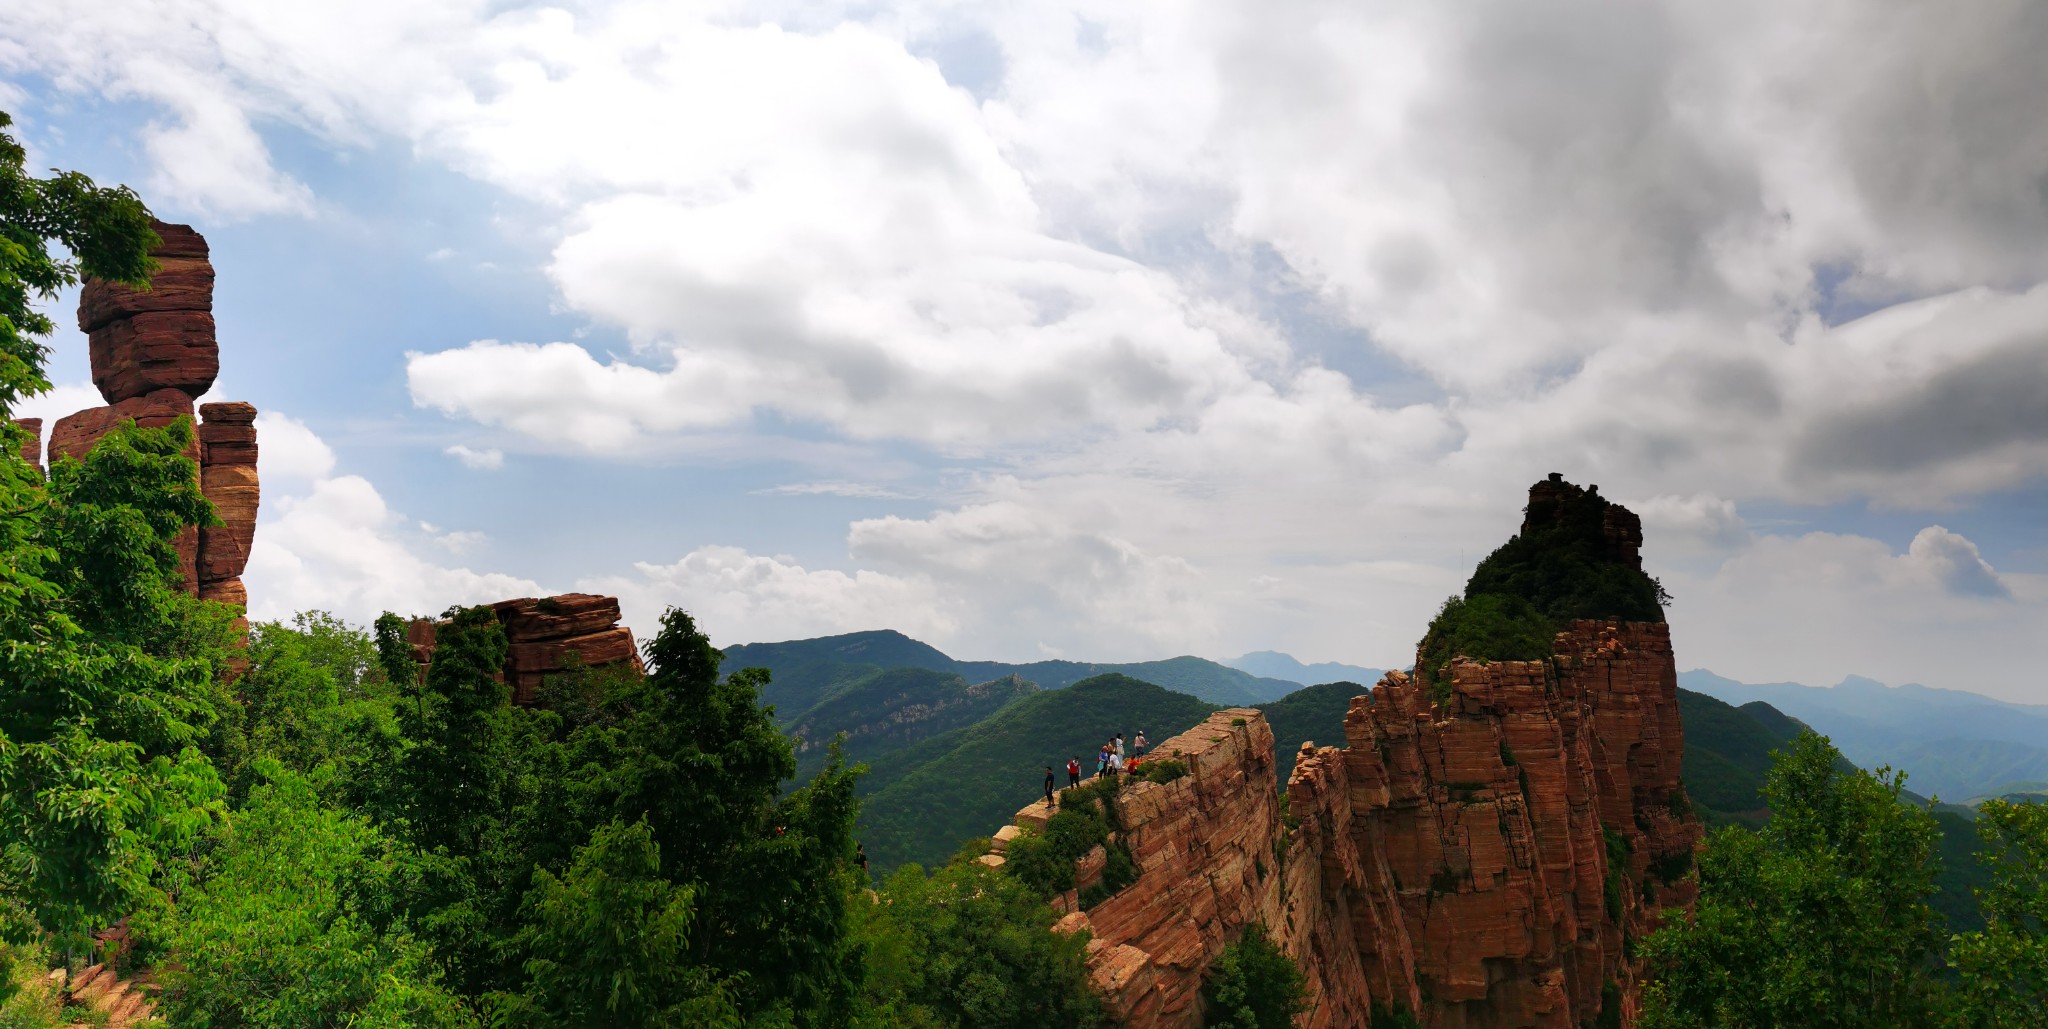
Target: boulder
x=155, y=350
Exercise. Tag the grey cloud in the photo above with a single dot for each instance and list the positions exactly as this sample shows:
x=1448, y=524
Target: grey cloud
x=1999, y=399
x=1942, y=130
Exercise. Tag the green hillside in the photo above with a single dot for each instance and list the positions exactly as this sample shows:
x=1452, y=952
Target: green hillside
x=921, y=802
x=1311, y=713
x=888, y=710
x=1727, y=753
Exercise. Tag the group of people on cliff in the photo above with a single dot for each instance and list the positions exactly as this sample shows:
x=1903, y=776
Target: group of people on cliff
x=1109, y=761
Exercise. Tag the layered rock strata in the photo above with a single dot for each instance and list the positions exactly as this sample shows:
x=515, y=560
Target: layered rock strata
x=1489, y=861
x=548, y=635
x=153, y=355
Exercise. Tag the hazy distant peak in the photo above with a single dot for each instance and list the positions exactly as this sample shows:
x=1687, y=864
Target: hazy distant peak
x=1272, y=664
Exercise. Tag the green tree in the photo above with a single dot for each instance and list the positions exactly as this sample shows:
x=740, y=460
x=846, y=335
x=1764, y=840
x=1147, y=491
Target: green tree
x=1819, y=919
x=1254, y=985
x=701, y=760
x=453, y=778
x=968, y=946
x=313, y=696
x=2002, y=970
x=289, y=922
x=608, y=943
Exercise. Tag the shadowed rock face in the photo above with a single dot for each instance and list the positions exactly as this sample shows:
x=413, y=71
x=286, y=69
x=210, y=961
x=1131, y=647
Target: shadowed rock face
x=153, y=354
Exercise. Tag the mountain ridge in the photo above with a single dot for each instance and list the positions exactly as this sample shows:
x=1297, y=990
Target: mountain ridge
x=804, y=670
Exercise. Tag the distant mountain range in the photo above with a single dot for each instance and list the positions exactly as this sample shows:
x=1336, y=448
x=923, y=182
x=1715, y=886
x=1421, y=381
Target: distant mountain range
x=1953, y=745
x=805, y=670
x=1274, y=665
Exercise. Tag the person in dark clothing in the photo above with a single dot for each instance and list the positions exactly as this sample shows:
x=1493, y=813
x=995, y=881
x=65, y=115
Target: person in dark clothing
x=860, y=857
x=1048, y=786
x=1073, y=771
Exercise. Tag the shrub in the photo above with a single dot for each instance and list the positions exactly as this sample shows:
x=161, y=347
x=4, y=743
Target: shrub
x=1165, y=771
x=1393, y=1016
x=1254, y=985
x=1045, y=859
x=1617, y=871
x=1443, y=881
x=1237, y=721
x=1031, y=858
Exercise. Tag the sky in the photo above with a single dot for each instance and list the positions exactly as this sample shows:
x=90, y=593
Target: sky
x=1116, y=330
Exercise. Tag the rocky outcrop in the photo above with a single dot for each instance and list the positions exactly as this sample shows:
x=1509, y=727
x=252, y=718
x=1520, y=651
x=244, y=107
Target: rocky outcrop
x=153, y=354
x=1489, y=861
x=547, y=635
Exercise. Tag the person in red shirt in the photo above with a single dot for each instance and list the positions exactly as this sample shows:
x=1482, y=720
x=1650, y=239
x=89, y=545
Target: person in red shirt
x=1073, y=771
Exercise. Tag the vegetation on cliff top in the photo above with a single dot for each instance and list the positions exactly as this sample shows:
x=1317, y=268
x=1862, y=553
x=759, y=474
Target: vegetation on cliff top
x=1564, y=564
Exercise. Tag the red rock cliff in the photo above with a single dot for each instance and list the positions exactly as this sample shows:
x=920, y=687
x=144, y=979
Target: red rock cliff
x=1488, y=862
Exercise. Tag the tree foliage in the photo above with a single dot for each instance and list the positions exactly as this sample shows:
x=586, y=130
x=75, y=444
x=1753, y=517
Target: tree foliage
x=2002, y=970
x=967, y=946
x=1820, y=918
x=288, y=921
x=1254, y=985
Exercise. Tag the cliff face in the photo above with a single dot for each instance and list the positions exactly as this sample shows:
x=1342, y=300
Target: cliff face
x=1488, y=862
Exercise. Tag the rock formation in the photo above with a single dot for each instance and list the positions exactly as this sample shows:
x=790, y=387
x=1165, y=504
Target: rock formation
x=1492, y=860
x=32, y=447
x=547, y=635
x=153, y=354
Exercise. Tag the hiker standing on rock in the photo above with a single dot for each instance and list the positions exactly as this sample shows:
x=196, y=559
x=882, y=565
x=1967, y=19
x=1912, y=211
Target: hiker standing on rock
x=1073, y=771
x=1116, y=764
x=1138, y=745
x=1102, y=761
x=1048, y=786
x=1119, y=741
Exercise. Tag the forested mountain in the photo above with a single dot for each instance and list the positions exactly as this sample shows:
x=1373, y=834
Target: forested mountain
x=894, y=708
x=805, y=670
x=921, y=802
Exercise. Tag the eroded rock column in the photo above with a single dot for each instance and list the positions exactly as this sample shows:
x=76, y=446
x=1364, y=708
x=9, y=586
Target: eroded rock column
x=153, y=355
